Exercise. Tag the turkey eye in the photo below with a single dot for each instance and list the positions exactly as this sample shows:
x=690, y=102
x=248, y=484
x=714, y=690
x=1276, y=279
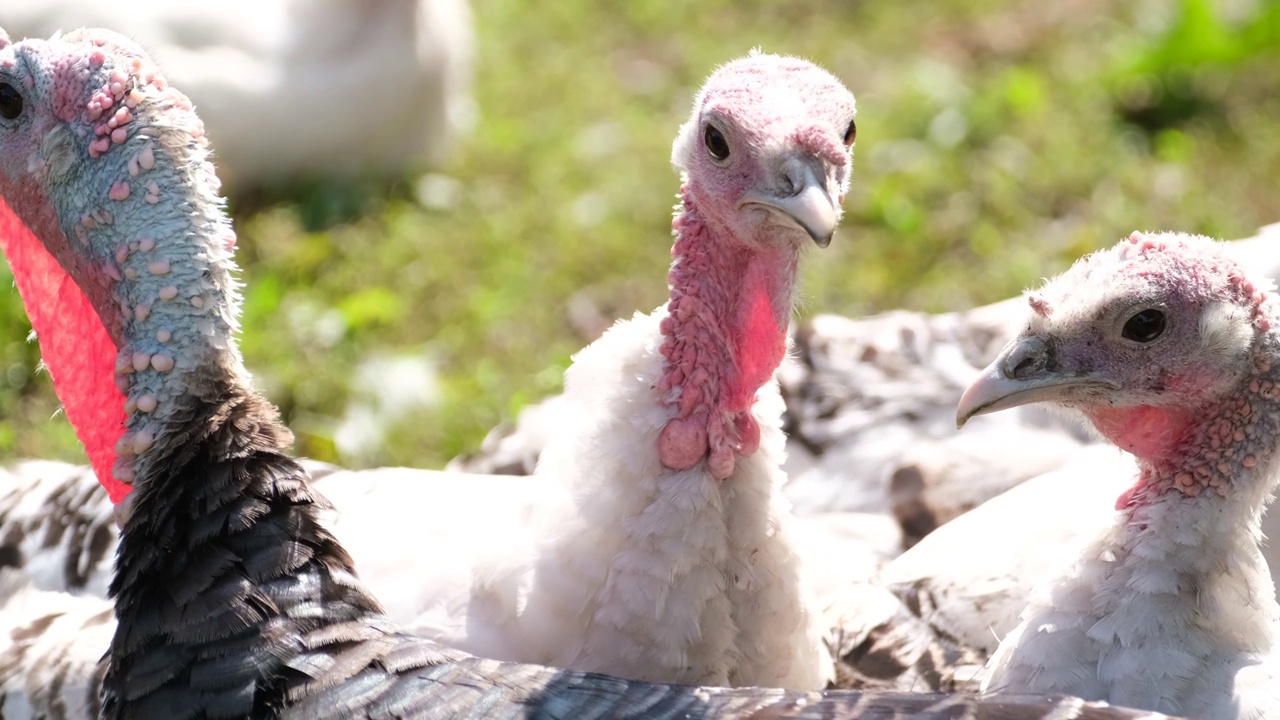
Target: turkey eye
x=10, y=102
x=716, y=144
x=851, y=134
x=1144, y=327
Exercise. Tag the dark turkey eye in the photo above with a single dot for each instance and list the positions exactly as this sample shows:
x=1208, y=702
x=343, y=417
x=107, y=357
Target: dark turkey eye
x=1144, y=327
x=716, y=144
x=10, y=102
x=851, y=134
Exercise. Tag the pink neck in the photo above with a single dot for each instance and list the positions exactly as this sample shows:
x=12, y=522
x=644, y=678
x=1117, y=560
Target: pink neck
x=1146, y=431
x=723, y=338
x=1209, y=450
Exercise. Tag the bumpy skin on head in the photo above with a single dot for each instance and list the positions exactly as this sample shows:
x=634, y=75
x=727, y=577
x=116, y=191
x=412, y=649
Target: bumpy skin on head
x=766, y=157
x=94, y=162
x=1168, y=348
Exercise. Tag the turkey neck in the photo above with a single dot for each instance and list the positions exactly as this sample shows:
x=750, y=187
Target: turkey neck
x=221, y=555
x=1224, y=452
x=130, y=286
x=724, y=335
x=1191, y=524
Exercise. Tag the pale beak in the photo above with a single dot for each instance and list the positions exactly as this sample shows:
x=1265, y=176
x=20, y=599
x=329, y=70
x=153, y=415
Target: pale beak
x=1025, y=372
x=808, y=205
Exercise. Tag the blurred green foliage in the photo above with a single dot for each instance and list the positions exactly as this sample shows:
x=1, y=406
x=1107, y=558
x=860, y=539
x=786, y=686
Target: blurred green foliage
x=998, y=140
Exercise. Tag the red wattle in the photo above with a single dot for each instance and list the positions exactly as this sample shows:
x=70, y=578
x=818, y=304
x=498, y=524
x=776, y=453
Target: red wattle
x=75, y=346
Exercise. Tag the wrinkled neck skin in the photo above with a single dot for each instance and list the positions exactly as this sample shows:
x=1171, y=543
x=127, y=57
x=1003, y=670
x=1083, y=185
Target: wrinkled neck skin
x=1195, y=512
x=724, y=336
x=1223, y=451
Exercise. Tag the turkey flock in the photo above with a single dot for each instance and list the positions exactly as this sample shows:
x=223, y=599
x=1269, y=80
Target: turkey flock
x=691, y=542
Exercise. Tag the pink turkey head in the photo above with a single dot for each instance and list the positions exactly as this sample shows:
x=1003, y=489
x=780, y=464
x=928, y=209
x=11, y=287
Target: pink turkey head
x=773, y=135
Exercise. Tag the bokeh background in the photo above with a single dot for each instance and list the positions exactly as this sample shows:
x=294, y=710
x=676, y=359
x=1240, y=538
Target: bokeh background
x=395, y=320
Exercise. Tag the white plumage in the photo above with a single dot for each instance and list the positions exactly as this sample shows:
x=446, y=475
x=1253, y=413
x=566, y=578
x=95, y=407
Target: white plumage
x=641, y=571
x=1125, y=625
x=602, y=560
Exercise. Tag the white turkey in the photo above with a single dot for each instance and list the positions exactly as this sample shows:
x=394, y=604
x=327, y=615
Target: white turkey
x=661, y=546
x=967, y=580
x=231, y=599
x=1166, y=347
x=265, y=74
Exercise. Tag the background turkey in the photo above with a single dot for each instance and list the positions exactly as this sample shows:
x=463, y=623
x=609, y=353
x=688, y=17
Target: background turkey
x=266, y=75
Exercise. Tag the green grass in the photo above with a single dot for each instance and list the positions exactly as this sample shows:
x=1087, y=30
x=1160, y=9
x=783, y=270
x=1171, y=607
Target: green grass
x=998, y=140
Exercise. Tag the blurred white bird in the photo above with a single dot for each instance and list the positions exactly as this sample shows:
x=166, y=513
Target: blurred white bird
x=297, y=88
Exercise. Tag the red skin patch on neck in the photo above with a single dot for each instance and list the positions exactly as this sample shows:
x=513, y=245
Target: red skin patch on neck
x=1149, y=432
x=1152, y=434
x=75, y=346
x=761, y=337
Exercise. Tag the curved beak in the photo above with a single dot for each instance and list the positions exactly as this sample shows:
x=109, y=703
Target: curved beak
x=1025, y=372
x=808, y=205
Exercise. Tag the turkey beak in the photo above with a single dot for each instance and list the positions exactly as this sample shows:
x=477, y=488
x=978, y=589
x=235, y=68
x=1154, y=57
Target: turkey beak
x=803, y=201
x=1027, y=371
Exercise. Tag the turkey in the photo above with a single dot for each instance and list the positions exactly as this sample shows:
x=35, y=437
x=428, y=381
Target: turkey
x=262, y=72
x=662, y=549
x=231, y=599
x=1166, y=347
x=888, y=378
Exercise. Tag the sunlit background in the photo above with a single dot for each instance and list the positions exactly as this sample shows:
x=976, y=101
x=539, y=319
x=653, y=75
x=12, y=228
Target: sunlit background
x=396, y=320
